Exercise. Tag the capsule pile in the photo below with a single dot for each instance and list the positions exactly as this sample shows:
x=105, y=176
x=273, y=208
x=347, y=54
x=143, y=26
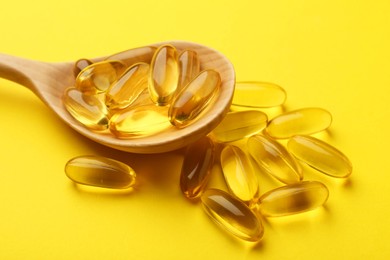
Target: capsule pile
x=101, y=100
x=134, y=96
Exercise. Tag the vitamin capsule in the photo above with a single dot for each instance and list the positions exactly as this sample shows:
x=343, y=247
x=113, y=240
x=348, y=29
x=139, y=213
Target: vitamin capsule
x=89, y=110
x=194, y=98
x=127, y=88
x=98, y=76
x=238, y=125
x=232, y=215
x=196, y=168
x=320, y=155
x=164, y=75
x=239, y=174
x=274, y=159
x=100, y=172
x=303, y=121
x=129, y=57
x=189, y=67
x=258, y=94
x=80, y=65
x=293, y=199
x=139, y=121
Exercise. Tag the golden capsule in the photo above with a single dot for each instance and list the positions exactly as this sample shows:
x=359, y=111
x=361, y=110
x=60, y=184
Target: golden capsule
x=232, y=215
x=127, y=88
x=139, y=121
x=129, y=57
x=293, y=199
x=196, y=168
x=258, y=94
x=239, y=174
x=194, y=98
x=98, y=76
x=274, y=159
x=89, y=110
x=303, y=121
x=100, y=172
x=238, y=125
x=189, y=67
x=320, y=155
x=80, y=65
x=164, y=75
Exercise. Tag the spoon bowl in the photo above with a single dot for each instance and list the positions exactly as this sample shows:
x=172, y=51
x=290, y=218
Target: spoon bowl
x=49, y=81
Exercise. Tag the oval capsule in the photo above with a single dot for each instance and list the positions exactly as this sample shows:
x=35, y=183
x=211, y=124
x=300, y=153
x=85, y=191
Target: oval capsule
x=89, y=110
x=197, y=164
x=238, y=125
x=274, y=159
x=258, y=94
x=128, y=87
x=98, y=76
x=132, y=56
x=164, y=75
x=293, y=199
x=232, y=215
x=189, y=67
x=194, y=98
x=239, y=174
x=320, y=156
x=100, y=171
x=79, y=65
x=139, y=121
x=303, y=121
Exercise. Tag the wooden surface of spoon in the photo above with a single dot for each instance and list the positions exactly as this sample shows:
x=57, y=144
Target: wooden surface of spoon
x=49, y=81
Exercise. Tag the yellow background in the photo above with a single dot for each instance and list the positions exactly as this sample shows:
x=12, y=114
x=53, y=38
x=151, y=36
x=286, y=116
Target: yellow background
x=331, y=54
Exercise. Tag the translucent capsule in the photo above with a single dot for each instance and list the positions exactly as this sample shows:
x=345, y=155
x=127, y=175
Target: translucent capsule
x=293, y=199
x=232, y=215
x=139, y=121
x=164, y=75
x=189, y=67
x=89, y=110
x=127, y=88
x=80, y=65
x=274, y=159
x=100, y=172
x=239, y=174
x=320, y=155
x=258, y=94
x=98, y=76
x=129, y=57
x=196, y=168
x=299, y=122
x=194, y=98
x=238, y=125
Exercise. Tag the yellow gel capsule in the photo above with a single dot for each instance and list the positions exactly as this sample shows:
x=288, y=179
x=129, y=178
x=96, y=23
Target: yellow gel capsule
x=98, y=76
x=189, y=67
x=100, y=172
x=129, y=57
x=238, y=125
x=164, y=75
x=139, y=121
x=274, y=159
x=320, y=155
x=127, y=88
x=258, y=94
x=80, y=65
x=293, y=199
x=196, y=168
x=89, y=110
x=194, y=98
x=303, y=121
x=239, y=174
x=232, y=215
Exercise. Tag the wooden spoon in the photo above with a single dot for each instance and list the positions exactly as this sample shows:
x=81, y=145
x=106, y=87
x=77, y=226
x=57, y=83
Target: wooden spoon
x=49, y=80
